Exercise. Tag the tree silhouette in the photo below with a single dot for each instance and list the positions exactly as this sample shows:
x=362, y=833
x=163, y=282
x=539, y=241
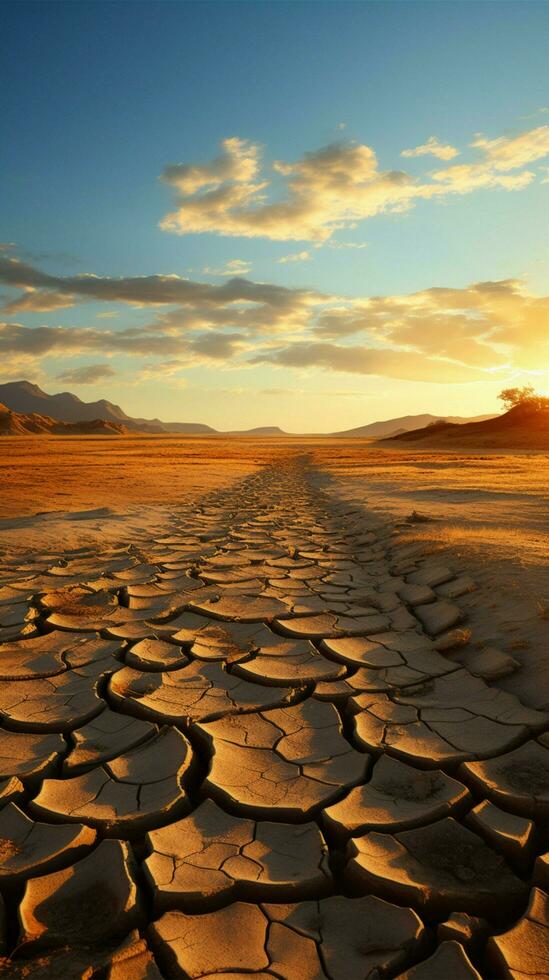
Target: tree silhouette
x=523, y=397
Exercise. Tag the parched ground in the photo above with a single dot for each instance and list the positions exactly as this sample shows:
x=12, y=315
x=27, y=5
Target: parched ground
x=258, y=718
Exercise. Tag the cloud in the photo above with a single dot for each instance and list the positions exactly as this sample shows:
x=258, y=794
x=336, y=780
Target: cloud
x=37, y=342
x=485, y=325
x=508, y=153
x=433, y=147
x=342, y=245
x=326, y=189
x=405, y=365
x=303, y=256
x=155, y=290
x=219, y=346
x=441, y=334
x=88, y=374
x=234, y=267
x=167, y=371
x=238, y=161
x=39, y=301
x=334, y=187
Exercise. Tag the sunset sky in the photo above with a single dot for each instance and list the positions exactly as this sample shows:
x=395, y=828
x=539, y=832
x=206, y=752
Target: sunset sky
x=311, y=215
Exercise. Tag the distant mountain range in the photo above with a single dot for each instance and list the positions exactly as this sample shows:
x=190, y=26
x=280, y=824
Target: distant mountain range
x=25, y=398
x=393, y=427
x=22, y=396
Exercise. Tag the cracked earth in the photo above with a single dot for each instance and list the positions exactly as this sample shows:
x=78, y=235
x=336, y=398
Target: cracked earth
x=245, y=745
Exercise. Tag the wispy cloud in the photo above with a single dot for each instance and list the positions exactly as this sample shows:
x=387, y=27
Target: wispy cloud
x=334, y=187
x=142, y=291
x=39, y=301
x=342, y=245
x=88, y=374
x=432, y=147
x=303, y=256
x=234, y=267
x=404, y=365
x=439, y=334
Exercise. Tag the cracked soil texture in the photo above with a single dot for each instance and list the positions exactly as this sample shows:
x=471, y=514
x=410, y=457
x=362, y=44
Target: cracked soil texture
x=251, y=743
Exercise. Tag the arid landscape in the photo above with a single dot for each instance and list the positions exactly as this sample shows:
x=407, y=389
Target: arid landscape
x=288, y=696
x=274, y=490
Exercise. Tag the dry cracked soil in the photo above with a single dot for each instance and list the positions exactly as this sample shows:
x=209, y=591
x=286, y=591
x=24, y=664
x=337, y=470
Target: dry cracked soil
x=249, y=745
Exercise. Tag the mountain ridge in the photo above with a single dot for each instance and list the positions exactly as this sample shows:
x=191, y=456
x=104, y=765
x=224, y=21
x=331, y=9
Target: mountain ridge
x=406, y=423
x=26, y=398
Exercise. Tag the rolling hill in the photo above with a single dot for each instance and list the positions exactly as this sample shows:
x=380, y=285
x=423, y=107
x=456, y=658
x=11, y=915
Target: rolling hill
x=523, y=427
x=393, y=427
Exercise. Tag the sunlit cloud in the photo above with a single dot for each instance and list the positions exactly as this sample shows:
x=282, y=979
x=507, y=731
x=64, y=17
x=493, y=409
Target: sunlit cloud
x=404, y=365
x=510, y=152
x=234, y=267
x=39, y=301
x=432, y=147
x=142, y=291
x=334, y=187
x=441, y=334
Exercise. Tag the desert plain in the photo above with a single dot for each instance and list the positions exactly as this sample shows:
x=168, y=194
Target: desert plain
x=273, y=707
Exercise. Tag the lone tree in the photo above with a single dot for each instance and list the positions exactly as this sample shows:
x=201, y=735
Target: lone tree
x=524, y=397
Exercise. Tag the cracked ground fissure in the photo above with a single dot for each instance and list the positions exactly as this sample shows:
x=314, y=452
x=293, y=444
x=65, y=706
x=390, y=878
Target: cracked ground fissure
x=252, y=586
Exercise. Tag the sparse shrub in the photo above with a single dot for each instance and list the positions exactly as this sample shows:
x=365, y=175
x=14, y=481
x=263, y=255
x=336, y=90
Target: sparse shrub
x=524, y=397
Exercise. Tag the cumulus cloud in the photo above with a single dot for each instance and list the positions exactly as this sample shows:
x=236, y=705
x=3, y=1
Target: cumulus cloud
x=238, y=161
x=432, y=147
x=326, y=189
x=333, y=187
x=88, y=374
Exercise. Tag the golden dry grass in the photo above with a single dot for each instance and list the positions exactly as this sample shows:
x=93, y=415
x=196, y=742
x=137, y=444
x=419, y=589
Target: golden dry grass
x=495, y=500
x=41, y=473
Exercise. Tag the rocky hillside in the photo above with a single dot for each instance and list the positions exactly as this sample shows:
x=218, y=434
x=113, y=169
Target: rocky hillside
x=20, y=424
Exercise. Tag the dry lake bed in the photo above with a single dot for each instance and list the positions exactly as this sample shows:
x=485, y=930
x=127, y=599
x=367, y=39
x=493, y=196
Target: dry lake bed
x=272, y=708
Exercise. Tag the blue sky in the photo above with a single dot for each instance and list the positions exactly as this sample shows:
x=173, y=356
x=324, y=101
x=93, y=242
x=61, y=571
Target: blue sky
x=103, y=97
